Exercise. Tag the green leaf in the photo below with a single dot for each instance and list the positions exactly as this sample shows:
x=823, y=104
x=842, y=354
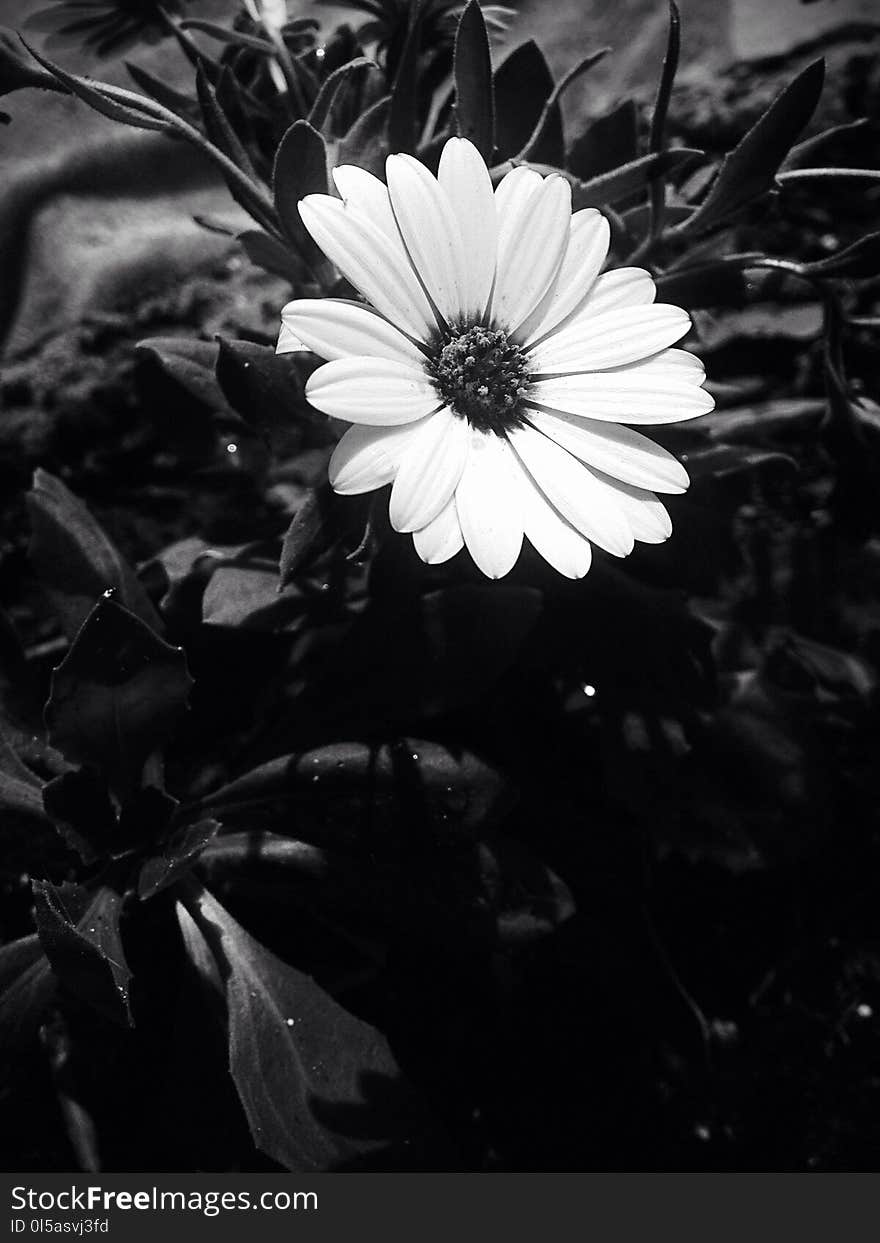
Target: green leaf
x=708, y=284
x=351, y=793
x=175, y=101
x=117, y=696
x=223, y=34
x=270, y=255
x=180, y=853
x=26, y=988
x=332, y=86
x=20, y=789
x=221, y=133
x=474, y=94
x=403, y=108
x=93, y=94
x=79, y=931
x=860, y=261
x=191, y=363
x=260, y=385
x=749, y=171
x=319, y=1087
x=307, y=525
x=300, y=169
x=80, y=808
x=841, y=144
x=534, y=143
x=630, y=178
x=367, y=143
x=606, y=143
x=522, y=85
x=75, y=559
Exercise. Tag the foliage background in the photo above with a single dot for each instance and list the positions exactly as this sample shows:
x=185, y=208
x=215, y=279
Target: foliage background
x=695, y=982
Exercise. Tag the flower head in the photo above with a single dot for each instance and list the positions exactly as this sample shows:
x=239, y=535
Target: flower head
x=493, y=374
x=106, y=27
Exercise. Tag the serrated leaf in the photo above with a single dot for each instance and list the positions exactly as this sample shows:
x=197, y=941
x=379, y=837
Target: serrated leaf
x=300, y=169
x=522, y=85
x=79, y=931
x=750, y=169
x=474, y=93
x=75, y=559
x=117, y=696
x=304, y=1068
x=178, y=856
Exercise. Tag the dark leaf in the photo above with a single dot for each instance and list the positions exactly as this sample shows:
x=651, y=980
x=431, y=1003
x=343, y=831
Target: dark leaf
x=270, y=255
x=92, y=94
x=710, y=284
x=17, y=72
x=305, y=1069
x=606, y=143
x=403, y=110
x=523, y=83
x=220, y=131
x=351, y=793
x=223, y=34
x=191, y=363
x=74, y=558
x=300, y=169
x=750, y=169
x=260, y=385
x=175, y=101
x=474, y=95
x=367, y=143
x=79, y=806
x=20, y=789
x=306, y=526
x=332, y=86
x=79, y=931
x=846, y=145
x=247, y=595
x=630, y=178
x=546, y=121
x=117, y=696
x=178, y=856
x=26, y=988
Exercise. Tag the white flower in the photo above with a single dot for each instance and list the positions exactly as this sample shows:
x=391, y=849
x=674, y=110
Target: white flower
x=491, y=374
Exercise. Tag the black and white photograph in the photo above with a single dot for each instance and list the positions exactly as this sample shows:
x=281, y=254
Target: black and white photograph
x=439, y=588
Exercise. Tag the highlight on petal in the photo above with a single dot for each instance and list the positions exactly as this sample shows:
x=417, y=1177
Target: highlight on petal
x=441, y=539
x=550, y=535
x=429, y=471
x=641, y=393
x=531, y=247
x=430, y=232
x=289, y=342
x=465, y=179
x=647, y=516
x=617, y=451
x=364, y=256
x=612, y=339
x=617, y=289
x=574, y=491
x=372, y=390
x=512, y=193
x=489, y=505
x=589, y=238
x=368, y=457
x=334, y=328
x=364, y=192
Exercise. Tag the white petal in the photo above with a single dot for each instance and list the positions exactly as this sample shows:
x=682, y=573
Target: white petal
x=618, y=288
x=465, y=179
x=489, y=505
x=512, y=193
x=574, y=491
x=640, y=393
x=613, y=339
x=334, y=328
x=647, y=516
x=617, y=451
x=429, y=471
x=441, y=538
x=289, y=342
x=368, y=457
x=547, y=531
x=531, y=247
x=429, y=229
x=372, y=390
x=586, y=252
x=365, y=255
x=365, y=193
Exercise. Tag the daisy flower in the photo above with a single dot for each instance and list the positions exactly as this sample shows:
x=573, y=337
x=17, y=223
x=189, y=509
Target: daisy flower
x=493, y=375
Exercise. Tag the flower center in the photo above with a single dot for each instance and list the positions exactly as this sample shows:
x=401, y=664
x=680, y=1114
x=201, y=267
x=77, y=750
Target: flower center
x=483, y=377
